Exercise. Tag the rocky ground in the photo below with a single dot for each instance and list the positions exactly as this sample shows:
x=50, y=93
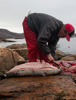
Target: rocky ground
x=59, y=87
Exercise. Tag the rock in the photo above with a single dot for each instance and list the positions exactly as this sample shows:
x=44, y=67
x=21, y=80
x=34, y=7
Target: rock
x=59, y=54
x=8, y=59
x=1, y=47
x=21, y=49
x=23, y=52
x=5, y=40
x=68, y=58
x=16, y=46
x=59, y=87
x=73, y=55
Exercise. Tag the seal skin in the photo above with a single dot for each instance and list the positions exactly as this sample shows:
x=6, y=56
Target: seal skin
x=33, y=72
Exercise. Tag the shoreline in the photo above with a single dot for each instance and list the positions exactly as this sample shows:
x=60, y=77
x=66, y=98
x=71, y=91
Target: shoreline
x=5, y=40
x=63, y=45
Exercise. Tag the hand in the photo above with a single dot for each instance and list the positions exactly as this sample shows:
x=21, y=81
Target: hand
x=50, y=58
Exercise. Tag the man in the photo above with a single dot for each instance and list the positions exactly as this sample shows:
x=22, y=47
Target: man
x=42, y=33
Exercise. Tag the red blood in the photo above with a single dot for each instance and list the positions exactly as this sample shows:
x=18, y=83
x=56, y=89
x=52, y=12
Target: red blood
x=68, y=46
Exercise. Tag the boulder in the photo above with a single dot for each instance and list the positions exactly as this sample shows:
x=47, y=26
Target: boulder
x=59, y=54
x=8, y=59
x=68, y=58
x=16, y=46
x=59, y=87
x=73, y=55
x=23, y=52
x=21, y=49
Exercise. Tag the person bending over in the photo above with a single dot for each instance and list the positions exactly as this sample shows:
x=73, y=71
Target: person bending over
x=42, y=32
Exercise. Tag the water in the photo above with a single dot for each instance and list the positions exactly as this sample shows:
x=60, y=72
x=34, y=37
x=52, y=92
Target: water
x=18, y=41
x=68, y=47
x=64, y=45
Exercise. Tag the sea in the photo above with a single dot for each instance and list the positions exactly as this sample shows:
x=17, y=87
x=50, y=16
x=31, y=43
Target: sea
x=63, y=44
